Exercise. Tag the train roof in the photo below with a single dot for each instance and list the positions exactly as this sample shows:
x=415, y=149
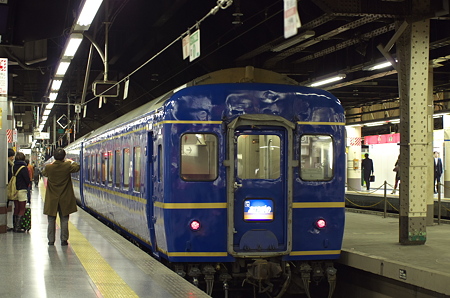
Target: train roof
x=232, y=75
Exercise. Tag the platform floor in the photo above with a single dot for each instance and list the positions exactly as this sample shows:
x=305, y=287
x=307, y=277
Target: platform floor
x=96, y=263
x=371, y=243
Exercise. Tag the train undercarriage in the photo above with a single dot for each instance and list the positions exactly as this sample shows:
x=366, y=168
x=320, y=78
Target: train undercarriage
x=261, y=278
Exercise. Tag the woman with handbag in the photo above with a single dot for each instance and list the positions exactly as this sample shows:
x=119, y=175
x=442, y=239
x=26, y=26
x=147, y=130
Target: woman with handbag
x=22, y=182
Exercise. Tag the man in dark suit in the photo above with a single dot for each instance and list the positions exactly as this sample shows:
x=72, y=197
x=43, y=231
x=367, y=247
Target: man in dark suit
x=367, y=166
x=437, y=170
x=59, y=196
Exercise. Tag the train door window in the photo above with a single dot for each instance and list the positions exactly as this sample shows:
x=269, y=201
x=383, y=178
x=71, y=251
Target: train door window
x=118, y=157
x=199, y=160
x=126, y=168
x=258, y=156
x=104, y=168
x=88, y=167
x=137, y=169
x=316, y=157
x=110, y=167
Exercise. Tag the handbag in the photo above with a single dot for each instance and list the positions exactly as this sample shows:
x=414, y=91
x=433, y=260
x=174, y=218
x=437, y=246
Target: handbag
x=372, y=178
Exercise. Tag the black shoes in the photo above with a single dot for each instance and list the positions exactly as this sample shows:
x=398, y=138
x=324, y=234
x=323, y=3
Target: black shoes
x=64, y=243
x=51, y=243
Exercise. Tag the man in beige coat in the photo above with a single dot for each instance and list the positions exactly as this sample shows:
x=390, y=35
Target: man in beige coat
x=59, y=196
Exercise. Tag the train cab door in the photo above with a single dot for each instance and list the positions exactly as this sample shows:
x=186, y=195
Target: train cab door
x=259, y=186
x=149, y=193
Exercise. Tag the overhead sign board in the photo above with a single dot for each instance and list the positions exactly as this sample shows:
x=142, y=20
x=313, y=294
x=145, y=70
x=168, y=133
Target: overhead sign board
x=105, y=89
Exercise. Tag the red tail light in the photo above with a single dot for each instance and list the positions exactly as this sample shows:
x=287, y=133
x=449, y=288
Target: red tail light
x=321, y=223
x=195, y=225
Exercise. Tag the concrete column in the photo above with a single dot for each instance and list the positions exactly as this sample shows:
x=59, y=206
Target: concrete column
x=446, y=156
x=3, y=142
x=354, y=158
x=415, y=128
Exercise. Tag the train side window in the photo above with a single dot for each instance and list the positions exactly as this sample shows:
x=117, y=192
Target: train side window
x=104, y=168
x=137, y=169
x=110, y=171
x=117, y=167
x=99, y=168
x=258, y=156
x=126, y=168
x=199, y=161
x=93, y=164
x=160, y=163
x=317, y=157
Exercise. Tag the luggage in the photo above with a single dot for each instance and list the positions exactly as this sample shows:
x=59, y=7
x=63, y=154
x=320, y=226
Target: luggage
x=26, y=219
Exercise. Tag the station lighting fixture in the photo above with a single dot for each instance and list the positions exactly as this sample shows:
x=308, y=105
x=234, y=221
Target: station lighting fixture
x=52, y=96
x=49, y=106
x=62, y=68
x=376, y=66
x=56, y=84
x=326, y=80
x=87, y=15
x=47, y=112
x=72, y=45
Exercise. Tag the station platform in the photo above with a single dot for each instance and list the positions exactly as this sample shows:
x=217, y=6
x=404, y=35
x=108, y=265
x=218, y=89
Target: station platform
x=371, y=243
x=96, y=263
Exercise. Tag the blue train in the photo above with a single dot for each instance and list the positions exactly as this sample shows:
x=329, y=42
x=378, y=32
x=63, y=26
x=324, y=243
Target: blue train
x=236, y=177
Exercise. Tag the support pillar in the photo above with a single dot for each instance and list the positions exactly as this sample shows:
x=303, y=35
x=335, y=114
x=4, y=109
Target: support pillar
x=3, y=142
x=416, y=126
x=354, y=158
x=446, y=156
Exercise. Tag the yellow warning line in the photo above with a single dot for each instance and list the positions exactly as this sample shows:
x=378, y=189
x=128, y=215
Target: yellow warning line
x=108, y=282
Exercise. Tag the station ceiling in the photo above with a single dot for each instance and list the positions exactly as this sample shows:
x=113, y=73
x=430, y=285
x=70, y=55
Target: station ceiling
x=341, y=36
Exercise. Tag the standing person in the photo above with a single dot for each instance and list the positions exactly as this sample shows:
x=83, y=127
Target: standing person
x=11, y=156
x=22, y=182
x=367, y=166
x=437, y=171
x=37, y=174
x=397, y=174
x=59, y=197
x=31, y=173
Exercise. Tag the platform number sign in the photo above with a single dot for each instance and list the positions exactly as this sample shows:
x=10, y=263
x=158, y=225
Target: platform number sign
x=3, y=76
x=291, y=18
x=194, y=45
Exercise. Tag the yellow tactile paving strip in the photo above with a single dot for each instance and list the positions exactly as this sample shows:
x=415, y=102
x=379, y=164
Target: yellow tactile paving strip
x=108, y=282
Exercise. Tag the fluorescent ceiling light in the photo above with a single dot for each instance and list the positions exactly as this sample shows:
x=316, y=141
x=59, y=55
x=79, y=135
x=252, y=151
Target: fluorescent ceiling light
x=88, y=12
x=52, y=96
x=47, y=112
x=294, y=40
x=56, y=84
x=375, y=123
x=73, y=44
x=44, y=119
x=326, y=81
x=378, y=66
x=62, y=68
x=50, y=106
x=395, y=121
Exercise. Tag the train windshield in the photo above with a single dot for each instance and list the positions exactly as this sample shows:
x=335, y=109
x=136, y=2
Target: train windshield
x=316, y=157
x=258, y=156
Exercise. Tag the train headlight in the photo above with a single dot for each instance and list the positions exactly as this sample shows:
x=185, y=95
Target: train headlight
x=195, y=225
x=321, y=223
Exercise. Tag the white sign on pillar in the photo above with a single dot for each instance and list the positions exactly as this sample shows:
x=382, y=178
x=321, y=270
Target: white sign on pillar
x=186, y=46
x=3, y=76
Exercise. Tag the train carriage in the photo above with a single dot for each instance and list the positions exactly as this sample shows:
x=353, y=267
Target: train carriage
x=237, y=174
